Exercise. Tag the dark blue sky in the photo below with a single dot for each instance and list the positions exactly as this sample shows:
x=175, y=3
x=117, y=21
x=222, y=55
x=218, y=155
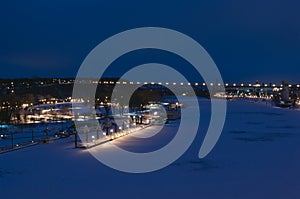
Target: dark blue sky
x=248, y=40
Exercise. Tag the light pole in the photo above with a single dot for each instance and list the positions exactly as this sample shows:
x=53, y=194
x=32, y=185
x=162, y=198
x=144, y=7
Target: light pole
x=12, y=139
x=76, y=139
x=98, y=132
x=32, y=135
x=46, y=132
x=86, y=131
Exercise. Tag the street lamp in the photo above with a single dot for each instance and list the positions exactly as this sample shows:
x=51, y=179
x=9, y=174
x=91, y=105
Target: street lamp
x=86, y=131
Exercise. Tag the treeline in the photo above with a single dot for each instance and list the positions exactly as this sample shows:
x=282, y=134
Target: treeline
x=33, y=91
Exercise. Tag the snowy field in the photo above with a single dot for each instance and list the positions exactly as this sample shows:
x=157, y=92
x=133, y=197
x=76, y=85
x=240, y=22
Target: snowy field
x=257, y=156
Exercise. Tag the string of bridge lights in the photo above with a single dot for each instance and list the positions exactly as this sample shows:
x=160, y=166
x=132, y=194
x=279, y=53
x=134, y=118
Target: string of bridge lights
x=192, y=84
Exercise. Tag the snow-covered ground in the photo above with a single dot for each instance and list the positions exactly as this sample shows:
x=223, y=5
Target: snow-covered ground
x=257, y=156
x=24, y=134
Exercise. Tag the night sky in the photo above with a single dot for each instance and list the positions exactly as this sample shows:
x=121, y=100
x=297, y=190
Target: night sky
x=248, y=40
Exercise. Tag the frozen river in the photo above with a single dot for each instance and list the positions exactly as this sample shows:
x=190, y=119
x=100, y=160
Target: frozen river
x=257, y=156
